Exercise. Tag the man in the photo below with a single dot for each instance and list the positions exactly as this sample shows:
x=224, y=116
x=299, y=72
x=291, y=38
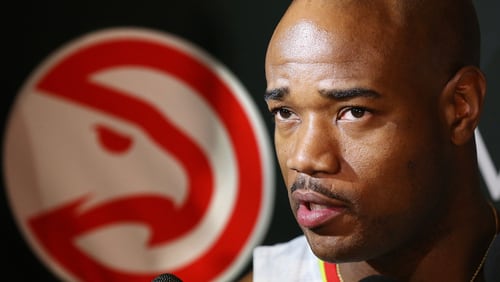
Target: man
x=375, y=105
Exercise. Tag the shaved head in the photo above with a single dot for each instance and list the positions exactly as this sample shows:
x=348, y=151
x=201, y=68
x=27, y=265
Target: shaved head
x=451, y=27
x=442, y=35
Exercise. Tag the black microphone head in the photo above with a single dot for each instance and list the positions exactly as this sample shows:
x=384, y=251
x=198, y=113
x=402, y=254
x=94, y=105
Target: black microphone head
x=491, y=268
x=377, y=278
x=166, y=277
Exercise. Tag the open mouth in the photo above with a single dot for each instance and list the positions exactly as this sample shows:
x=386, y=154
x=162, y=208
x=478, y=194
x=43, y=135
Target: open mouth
x=314, y=209
x=312, y=215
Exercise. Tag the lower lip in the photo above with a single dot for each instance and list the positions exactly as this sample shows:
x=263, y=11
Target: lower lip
x=315, y=218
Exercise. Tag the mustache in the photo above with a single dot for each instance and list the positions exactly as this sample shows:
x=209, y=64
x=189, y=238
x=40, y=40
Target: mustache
x=311, y=184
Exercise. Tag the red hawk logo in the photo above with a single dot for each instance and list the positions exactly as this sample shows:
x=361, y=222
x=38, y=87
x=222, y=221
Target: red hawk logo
x=131, y=153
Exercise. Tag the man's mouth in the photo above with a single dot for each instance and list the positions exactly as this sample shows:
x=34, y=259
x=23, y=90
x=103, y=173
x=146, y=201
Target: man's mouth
x=315, y=210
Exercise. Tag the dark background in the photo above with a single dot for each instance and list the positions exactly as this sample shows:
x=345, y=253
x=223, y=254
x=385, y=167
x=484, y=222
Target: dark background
x=235, y=32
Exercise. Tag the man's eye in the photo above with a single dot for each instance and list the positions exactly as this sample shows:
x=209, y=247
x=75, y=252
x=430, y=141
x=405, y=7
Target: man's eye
x=351, y=113
x=282, y=114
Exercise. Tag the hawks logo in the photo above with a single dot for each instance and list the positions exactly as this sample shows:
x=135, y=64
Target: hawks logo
x=131, y=153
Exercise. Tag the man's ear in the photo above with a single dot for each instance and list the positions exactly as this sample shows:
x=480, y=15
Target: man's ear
x=463, y=102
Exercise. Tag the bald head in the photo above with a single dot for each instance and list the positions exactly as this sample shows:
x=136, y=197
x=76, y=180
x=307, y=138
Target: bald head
x=441, y=35
x=449, y=29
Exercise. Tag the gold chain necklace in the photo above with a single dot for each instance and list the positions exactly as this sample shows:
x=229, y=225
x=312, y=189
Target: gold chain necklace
x=339, y=275
x=495, y=215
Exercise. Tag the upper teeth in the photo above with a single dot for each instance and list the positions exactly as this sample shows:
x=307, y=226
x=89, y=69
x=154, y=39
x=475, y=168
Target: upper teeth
x=316, y=207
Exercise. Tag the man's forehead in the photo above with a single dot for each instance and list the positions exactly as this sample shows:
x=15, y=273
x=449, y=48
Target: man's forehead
x=304, y=40
x=308, y=42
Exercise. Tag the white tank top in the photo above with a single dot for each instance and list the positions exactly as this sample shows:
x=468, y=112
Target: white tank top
x=289, y=261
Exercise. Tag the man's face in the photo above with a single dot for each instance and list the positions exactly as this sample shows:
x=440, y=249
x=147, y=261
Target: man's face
x=358, y=133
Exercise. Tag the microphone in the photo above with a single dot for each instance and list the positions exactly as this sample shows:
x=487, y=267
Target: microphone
x=377, y=278
x=166, y=277
x=491, y=268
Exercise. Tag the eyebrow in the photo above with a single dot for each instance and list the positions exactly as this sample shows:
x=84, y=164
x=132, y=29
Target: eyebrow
x=336, y=94
x=276, y=94
x=346, y=94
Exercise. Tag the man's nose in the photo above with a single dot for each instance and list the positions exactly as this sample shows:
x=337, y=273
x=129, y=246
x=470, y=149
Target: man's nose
x=315, y=149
